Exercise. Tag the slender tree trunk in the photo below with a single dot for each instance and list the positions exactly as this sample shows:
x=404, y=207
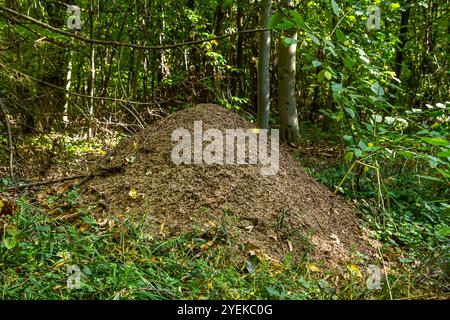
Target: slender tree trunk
x=165, y=71
x=264, y=67
x=91, y=78
x=287, y=104
x=67, y=96
x=403, y=33
x=236, y=81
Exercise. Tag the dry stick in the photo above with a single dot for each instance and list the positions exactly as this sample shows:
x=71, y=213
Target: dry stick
x=385, y=273
x=8, y=127
x=122, y=44
x=43, y=183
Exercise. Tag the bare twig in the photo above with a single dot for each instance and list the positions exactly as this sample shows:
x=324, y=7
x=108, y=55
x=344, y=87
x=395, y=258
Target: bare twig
x=11, y=150
x=43, y=183
x=121, y=44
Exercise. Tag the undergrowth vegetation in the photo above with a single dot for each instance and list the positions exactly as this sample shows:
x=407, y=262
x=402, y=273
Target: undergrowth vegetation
x=119, y=260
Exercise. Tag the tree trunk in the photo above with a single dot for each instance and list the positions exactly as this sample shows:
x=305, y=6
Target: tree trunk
x=403, y=32
x=264, y=68
x=287, y=104
x=91, y=77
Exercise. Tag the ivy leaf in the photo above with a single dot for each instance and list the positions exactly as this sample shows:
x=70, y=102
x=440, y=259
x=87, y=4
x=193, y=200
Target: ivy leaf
x=335, y=7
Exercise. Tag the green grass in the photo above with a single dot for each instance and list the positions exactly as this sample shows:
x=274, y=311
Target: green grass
x=122, y=262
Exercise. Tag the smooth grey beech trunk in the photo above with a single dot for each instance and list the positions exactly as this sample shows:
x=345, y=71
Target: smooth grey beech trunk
x=264, y=67
x=287, y=103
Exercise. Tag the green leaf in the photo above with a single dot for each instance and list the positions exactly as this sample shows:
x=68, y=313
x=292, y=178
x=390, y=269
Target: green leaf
x=272, y=292
x=286, y=25
x=347, y=138
x=362, y=145
x=275, y=20
x=406, y=154
x=250, y=267
x=6, y=182
x=444, y=231
x=327, y=75
x=335, y=7
x=349, y=63
x=443, y=173
x=337, y=87
x=349, y=156
x=340, y=35
x=316, y=63
x=314, y=39
x=358, y=153
x=429, y=178
x=289, y=41
x=297, y=18
x=10, y=242
x=436, y=141
x=350, y=112
x=377, y=89
x=444, y=154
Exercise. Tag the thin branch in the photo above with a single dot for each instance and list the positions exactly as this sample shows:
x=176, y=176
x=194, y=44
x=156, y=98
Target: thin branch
x=47, y=182
x=121, y=44
x=11, y=150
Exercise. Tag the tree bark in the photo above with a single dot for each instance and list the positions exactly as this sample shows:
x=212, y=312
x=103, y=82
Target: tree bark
x=264, y=67
x=287, y=104
x=403, y=32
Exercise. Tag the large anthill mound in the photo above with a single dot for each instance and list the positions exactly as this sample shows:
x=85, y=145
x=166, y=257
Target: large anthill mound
x=286, y=212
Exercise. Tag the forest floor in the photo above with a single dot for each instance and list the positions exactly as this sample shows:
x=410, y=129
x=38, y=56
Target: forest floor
x=140, y=227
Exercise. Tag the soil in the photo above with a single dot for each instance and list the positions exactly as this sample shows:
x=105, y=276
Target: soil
x=275, y=215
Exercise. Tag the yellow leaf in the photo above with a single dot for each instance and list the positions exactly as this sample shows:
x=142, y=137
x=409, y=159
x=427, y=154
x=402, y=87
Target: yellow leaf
x=354, y=270
x=313, y=268
x=1, y=205
x=161, y=228
x=133, y=193
x=256, y=131
x=253, y=249
x=210, y=284
x=59, y=264
x=206, y=246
